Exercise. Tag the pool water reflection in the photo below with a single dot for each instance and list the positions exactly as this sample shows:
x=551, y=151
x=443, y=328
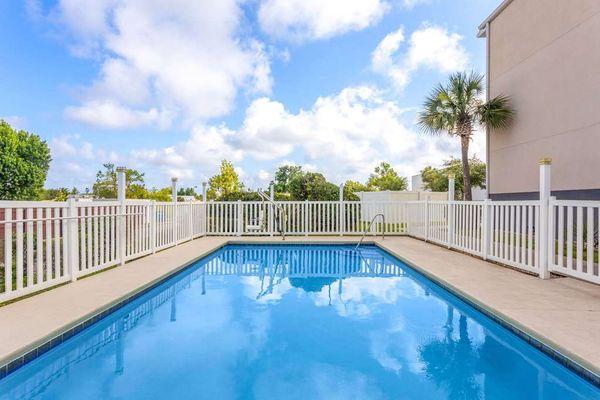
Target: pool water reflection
x=296, y=322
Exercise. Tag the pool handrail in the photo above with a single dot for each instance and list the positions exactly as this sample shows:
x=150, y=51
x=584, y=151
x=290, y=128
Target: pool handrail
x=369, y=229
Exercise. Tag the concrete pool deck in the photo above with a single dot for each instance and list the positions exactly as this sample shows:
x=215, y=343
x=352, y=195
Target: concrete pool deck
x=563, y=313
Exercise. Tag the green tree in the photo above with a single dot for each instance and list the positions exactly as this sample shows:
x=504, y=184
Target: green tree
x=312, y=186
x=105, y=186
x=163, y=194
x=225, y=182
x=457, y=109
x=351, y=187
x=386, y=178
x=189, y=191
x=284, y=175
x=24, y=162
x=59, y=194
x=436, y=179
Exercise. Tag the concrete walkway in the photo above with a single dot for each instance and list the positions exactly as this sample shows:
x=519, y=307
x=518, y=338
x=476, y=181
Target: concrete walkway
x=562, y=312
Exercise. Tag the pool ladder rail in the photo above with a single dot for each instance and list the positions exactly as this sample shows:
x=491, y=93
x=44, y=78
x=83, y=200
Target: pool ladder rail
x=368, y=229
x=283, y=222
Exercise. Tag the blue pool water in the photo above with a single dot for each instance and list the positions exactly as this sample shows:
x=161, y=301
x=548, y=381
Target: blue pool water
x=296, y=322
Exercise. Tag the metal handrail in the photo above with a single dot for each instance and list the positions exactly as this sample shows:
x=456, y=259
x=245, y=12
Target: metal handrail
x=369, y=229
x=266, y=198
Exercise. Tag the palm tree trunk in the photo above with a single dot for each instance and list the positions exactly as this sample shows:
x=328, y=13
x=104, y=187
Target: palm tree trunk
x=464, y=147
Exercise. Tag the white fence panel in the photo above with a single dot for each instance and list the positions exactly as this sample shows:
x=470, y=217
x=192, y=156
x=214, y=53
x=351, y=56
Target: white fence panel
x=573, y=244
x=514, y=239
x=34, y=247
x=97, y=236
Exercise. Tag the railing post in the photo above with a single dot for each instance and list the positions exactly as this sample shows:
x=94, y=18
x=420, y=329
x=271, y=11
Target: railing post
x=240, y=217
x=153, y=226
x=73, y=240
x=175, y=213
x=487, y=226
x=451, y=197
x=544, y=238
x=306, y=218
x=205, y=213
x=271, y=208
x=427, y=218
x=341, y=212
x=121, y=220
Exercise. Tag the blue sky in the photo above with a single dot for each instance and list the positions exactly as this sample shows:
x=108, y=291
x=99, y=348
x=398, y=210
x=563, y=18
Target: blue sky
x=173, y=87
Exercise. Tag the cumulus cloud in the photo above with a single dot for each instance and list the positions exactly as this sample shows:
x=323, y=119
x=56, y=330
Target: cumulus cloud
x=431, y=47
x=162, y=60
x=317, y=19
x=344, y=135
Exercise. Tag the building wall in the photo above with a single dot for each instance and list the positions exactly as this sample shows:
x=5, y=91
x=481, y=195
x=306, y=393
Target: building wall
x=545, y=54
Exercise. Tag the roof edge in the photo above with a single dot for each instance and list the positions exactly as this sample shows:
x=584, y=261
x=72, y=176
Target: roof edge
x=482, y=27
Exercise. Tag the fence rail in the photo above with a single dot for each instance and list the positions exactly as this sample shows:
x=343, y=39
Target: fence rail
x=44, y=244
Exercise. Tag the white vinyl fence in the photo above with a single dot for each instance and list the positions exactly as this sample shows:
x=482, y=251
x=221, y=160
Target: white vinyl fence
x=44, y=244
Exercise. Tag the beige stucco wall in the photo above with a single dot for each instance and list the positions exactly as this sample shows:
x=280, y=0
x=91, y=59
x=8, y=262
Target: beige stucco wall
x=545, y=54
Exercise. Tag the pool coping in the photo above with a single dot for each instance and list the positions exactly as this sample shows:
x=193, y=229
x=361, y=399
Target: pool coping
x=28, y=353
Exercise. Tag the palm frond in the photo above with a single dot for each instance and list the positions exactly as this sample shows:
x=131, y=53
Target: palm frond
x=497, y=113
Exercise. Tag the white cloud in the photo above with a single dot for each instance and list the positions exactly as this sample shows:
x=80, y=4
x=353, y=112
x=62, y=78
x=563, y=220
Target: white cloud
x=431, y=47
x=344, y=136
x=318, y=19
x=162, y=59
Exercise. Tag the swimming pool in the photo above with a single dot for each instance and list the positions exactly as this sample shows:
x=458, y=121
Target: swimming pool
x=296, y=322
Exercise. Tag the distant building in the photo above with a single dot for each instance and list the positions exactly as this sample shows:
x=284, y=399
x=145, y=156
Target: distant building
x=545, y=54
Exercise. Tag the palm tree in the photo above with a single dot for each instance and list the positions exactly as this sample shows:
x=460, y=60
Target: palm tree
x=457, y=109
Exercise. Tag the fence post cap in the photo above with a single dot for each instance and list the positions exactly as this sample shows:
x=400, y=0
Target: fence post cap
x=174, y=179
x=121, y=169
x=545, y=161
x=451, y=175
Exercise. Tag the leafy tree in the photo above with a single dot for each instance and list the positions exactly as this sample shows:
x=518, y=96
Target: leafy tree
x=243, y=196
x=59, y=194
x=225, y=182
x=190, y=191
x=106, y=183
x=163, y=194
x=436, y=179
x=386, y=178
x=284, y=175
x=351, y=187
x=457, y=108
x=312, y=186
x=24, y=162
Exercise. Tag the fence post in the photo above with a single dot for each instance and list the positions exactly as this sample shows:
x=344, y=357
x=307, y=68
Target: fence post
x=73, y=240
x=240, y=218
x=271, y=208
x=427, y=218
x=205, y=223
x=487, y=226
x=153, y=226
x=341, y=212
x=544, y=239
x=306, y=218
x=121, y=220
x=175, y=213
x=451, y=197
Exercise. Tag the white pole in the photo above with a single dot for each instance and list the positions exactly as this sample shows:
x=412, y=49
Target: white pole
x=121, y=220
x=341, y=211
x=204, y=184
x=174, y=200
x=73, y=240
x=487, y=224
x=544, y=239
x=271, y=208
x=451, y=197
